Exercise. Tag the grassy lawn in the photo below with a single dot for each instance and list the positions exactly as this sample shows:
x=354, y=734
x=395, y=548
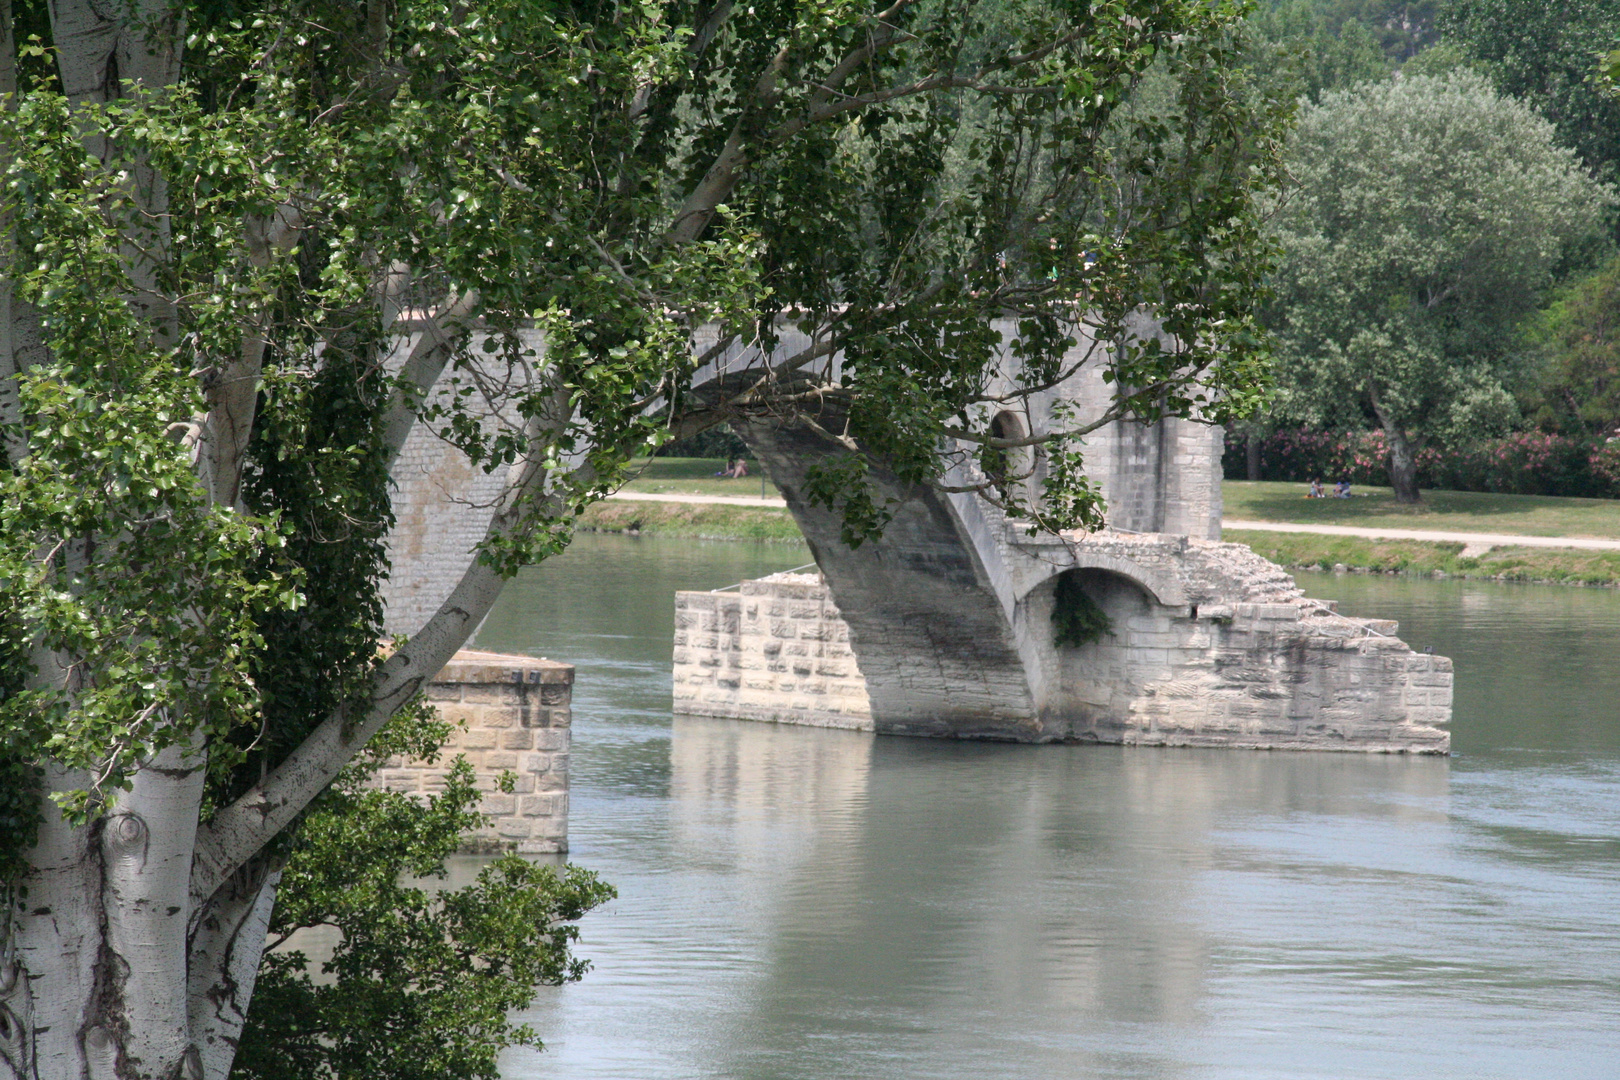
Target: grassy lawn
x=694, y=476
x=1424, y=557
x=1459, y=511
x=692, y=519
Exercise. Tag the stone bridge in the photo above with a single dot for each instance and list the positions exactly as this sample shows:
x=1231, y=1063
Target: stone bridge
x=944, y=627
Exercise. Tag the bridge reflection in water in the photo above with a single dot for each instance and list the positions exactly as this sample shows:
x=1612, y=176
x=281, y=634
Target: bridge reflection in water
x=1080, y=888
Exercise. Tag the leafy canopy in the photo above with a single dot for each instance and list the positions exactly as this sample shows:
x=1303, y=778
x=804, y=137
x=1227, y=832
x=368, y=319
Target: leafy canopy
x=615, y=177
x=1548, y=54
x=1424, y=222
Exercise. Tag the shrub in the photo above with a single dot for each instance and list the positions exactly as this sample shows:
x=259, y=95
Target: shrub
x=1524, y=463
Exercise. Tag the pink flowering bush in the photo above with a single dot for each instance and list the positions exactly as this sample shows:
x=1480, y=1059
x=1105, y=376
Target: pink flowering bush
x=1605, y=464
x=1524, y=463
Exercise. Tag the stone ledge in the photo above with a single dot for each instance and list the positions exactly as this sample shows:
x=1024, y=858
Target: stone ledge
x=475, y=666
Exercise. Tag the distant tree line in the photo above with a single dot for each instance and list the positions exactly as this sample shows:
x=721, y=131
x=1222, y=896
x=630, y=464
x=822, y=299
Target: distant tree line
x=1449, y=276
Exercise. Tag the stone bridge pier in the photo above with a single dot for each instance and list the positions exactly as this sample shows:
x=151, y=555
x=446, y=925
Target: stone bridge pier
x=946, y=622
x=944, y=626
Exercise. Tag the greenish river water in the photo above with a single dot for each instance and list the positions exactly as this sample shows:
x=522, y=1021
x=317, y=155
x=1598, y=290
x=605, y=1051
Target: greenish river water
x=800, y=903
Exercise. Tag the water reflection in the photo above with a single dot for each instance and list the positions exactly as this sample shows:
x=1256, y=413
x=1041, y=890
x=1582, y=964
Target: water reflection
x=805, y=903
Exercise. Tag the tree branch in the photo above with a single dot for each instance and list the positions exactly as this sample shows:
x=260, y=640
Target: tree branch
x=442, y=333
x=239, y=831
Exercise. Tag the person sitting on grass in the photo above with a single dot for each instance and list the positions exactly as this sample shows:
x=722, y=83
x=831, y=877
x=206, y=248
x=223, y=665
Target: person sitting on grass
x=1341, y=490
x=1316, y=491
x=739, y=470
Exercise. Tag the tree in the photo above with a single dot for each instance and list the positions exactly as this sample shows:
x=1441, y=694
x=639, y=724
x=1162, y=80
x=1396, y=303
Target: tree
x=1318, y=46
x=420, y=985
x=1424, y=221
x=1547, y=54
x=1579, y=340
x=243, y=241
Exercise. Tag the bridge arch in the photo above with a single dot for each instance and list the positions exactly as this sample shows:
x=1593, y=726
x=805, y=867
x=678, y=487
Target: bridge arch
x=1016, y=469
x=1161, y=587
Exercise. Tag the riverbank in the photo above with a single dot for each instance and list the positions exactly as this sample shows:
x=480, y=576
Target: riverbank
x=1440, y=511
x=698, y=521
x=1463, y=512
x=1551, y=566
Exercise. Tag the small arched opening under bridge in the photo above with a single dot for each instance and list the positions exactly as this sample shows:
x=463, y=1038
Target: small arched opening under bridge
x=1013, y=470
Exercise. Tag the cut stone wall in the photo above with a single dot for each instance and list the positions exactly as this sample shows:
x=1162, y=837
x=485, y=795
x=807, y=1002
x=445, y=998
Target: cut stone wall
x=1285, y=674
x=441, y=501
x=775, y=650
x=1162, y=477
x=511, y=713
x=1211, y=646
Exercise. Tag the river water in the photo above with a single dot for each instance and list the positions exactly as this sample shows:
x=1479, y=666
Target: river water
x=801, y=903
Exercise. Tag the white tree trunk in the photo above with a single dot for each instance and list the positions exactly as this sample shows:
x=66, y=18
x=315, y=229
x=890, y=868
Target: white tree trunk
x=225, y=951
x=131, y=950
x=56, y=943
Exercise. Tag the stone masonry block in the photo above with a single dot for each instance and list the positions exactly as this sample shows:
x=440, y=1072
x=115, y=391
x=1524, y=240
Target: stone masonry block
x=488, y=694
x=477, y=739
x=512, y=828
x=498, y=804
x=537, y=805
x=555, y=739
x=460, y=714
x=406, y=780
x=502, y=716
x=1431, y=678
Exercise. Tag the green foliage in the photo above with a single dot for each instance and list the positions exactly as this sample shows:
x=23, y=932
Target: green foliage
x=1399, y=29
x=315, y=462
x=1141, y=179
x=892, y=186
x=421, y=981
x=110, y=554
x=1548, y=54
x=1305, y=44
x=1427, y=216
x=1578, y=336
x=718, y=444
x=1077, y=619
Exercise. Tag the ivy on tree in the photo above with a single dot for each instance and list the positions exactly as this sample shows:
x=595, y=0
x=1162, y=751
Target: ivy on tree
x=233, y=273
